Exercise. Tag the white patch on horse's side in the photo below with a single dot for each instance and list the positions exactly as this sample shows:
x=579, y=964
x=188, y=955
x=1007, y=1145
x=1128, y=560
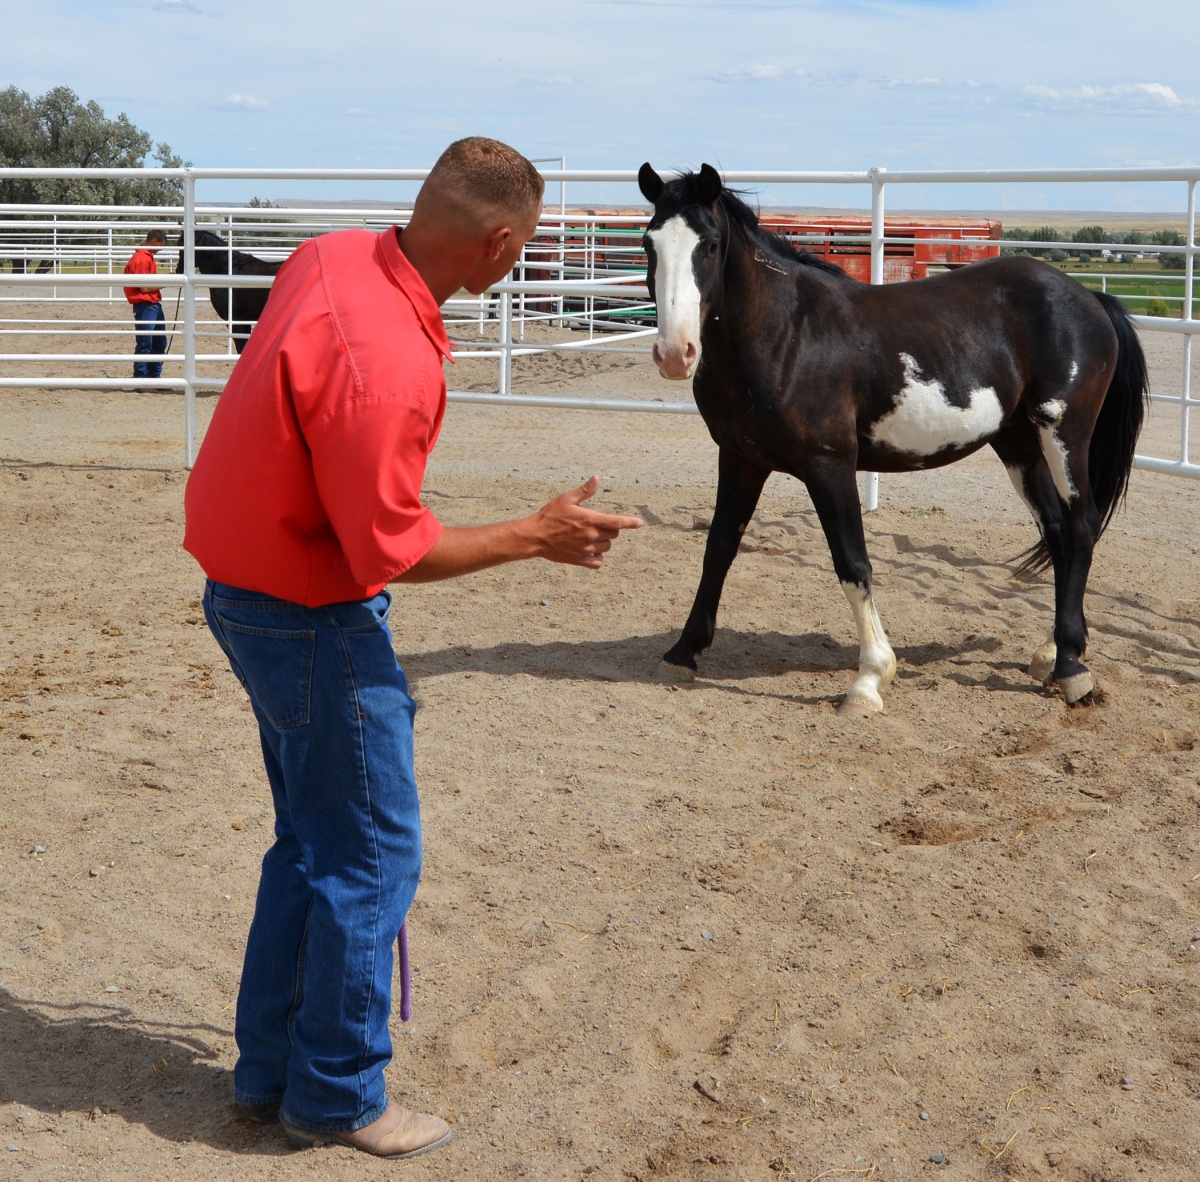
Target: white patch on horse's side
x=1056, y=460
x=876, y=660
x=1074, y=371
x=924, y=422
x=1017, y=476
x=675, y=291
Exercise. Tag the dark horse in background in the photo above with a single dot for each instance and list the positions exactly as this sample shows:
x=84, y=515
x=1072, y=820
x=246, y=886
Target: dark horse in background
x=800, y=369
x=213, y=257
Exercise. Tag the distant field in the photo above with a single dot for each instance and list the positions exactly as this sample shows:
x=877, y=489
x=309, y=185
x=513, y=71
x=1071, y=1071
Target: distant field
x=1143, y=286
x=1071, y=220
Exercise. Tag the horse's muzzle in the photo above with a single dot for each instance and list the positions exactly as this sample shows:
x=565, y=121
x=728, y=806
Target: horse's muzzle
x=676, y=361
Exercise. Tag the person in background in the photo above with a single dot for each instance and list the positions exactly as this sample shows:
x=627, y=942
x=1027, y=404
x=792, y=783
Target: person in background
x=150, y=326
x=303, y=506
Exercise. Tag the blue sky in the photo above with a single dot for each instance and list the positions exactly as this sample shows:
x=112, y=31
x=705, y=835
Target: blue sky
x=762, y=84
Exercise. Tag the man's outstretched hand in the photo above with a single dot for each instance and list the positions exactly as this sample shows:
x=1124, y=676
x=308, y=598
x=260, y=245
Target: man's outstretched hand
x=569, y=533
x=562, y=531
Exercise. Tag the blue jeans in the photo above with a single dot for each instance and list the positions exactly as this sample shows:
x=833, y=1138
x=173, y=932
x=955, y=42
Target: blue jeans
x=336, y=725
x=150, y=328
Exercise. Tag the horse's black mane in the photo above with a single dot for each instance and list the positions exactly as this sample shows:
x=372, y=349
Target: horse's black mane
x=207, y=240
x=742, y=218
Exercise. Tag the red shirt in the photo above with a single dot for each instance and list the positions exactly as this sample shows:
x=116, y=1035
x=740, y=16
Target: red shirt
x=141, y=263
x=308, y=484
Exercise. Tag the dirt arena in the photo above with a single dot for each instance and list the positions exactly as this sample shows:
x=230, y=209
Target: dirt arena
x=703, y=932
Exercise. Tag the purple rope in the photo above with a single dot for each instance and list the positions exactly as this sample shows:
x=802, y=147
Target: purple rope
x=405, y=974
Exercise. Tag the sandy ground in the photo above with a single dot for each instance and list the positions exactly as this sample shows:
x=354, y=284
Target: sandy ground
x=698, y=932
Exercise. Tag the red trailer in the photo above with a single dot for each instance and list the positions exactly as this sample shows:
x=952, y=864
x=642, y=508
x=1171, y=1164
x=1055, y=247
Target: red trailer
x=599, y=248
x=971, y=239
x=595, y=243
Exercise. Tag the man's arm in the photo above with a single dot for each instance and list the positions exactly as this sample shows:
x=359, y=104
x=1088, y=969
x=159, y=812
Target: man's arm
x=562, y=531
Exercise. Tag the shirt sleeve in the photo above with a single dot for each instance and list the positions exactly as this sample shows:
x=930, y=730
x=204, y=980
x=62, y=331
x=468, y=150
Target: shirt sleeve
x=369, y=460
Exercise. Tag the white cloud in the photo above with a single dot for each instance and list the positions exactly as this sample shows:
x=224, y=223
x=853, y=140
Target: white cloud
x=357, y=111
x=176, y=6
x=911, y=83
x=1129, y=97
x=245, y=102
x=556, y=80
x=759, y=72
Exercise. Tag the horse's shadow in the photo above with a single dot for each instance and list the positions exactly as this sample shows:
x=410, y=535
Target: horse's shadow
x=98, y=1060
x=737, y=656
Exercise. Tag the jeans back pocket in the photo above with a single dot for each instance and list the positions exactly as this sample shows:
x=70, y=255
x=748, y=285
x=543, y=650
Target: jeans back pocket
x=276, y=666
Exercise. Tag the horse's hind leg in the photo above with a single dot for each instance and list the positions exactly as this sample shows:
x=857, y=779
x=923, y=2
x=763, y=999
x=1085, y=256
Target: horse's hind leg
x=739, y=485
x=1053, y=482
x=1080, y=524
x=834, y=494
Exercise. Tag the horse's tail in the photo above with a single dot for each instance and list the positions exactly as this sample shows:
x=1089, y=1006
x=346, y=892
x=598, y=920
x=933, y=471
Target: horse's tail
x=1114, y=438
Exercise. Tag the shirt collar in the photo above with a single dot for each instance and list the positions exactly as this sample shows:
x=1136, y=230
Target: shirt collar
x=405, y=276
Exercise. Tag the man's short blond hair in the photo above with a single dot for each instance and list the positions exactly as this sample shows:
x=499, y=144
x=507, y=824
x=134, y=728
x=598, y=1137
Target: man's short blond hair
x=485, y=179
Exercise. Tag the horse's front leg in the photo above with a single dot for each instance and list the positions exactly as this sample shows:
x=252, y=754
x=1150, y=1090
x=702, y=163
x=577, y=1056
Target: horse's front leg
x=834, y=492
x=739, y=485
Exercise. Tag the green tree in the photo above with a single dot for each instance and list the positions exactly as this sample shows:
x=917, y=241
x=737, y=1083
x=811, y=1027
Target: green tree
x=1041, y=234
x=1169, y=262
x=57, y=130
x=1091, y=234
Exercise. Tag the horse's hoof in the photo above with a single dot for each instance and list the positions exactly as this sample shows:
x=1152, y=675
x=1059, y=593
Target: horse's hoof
x=858, y=706
x=1041, y=668
x=1076, y=687
x=674, y=674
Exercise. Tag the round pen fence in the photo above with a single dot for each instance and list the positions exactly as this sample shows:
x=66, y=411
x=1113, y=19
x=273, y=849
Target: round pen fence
x=580, y=284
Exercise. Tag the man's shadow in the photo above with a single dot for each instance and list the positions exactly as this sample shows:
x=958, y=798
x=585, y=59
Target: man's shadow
x=97, y=1060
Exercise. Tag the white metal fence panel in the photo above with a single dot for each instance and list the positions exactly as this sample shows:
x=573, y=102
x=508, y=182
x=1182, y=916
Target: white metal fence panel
x=64, y=257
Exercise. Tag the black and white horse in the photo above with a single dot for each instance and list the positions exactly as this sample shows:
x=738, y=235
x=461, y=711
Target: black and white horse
x=213, y=257
x=798, y=368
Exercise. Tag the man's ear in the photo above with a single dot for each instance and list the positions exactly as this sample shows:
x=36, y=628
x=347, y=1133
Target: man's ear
x=497, y=241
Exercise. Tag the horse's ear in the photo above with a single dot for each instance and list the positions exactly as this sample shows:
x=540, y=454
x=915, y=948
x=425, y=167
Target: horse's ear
x=650, y=183
x=710, y=184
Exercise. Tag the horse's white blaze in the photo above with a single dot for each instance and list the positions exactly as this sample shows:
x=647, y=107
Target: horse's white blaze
x=1018, y=482
x=1056, y=460
x=876, y=661
x=924, y=421
x=677, y=298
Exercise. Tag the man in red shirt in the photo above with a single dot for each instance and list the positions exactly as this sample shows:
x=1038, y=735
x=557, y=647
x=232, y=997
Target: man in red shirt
x=303, y=505
x=150, y=326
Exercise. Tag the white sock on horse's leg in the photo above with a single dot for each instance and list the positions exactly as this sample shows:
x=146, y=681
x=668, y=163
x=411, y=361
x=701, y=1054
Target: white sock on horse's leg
x=1041, y=668
x=876, y=661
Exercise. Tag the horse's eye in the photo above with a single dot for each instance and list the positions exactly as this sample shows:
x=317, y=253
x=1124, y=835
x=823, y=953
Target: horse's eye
x=713, y=246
